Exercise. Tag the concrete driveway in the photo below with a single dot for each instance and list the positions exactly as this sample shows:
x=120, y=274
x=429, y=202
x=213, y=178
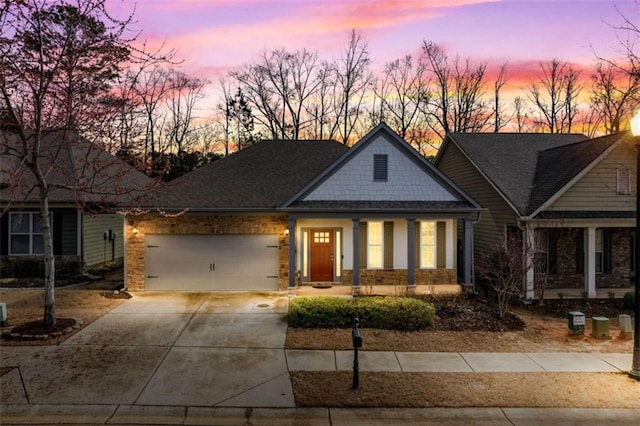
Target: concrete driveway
x=196, y=349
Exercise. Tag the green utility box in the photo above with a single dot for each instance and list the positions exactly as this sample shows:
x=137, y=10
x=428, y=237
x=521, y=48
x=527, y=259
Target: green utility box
x=576, y=323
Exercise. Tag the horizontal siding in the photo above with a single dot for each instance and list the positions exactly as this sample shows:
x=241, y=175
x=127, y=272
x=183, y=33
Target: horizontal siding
x=597, y=189
x=96, y=249
x=489, y=232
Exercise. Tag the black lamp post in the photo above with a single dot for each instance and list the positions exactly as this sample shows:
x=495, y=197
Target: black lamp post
x=635, y=367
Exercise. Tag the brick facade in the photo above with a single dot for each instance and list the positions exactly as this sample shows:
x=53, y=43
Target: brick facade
x=188, y=224
x=399, y=277
x=569, y=277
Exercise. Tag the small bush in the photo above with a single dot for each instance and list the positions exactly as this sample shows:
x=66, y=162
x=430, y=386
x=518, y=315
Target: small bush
x=628, y=301
x=391, y=313
x=68, y=268
x=33, y=267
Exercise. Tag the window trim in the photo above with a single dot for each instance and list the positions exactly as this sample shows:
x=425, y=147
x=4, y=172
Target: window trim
x=624, y=189
x=433, y=244
x=30, y=233
x=370, y=244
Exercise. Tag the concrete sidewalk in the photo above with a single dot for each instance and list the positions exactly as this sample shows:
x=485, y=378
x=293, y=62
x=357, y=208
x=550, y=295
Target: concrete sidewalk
x=146, y=415
x=451, y=362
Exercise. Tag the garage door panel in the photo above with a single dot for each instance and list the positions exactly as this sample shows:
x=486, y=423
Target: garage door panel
x=212, y=262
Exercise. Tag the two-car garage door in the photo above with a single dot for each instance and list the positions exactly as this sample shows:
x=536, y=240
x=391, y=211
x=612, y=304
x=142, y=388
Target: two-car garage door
x=212, y=262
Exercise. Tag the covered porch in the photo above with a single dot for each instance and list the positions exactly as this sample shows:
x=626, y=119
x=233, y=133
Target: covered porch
x=580, y=257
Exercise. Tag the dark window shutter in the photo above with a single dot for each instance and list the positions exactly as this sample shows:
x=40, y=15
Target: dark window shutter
x=441, y=244
x=553, y=251
x=388, y=245
x=416, y=245
x=380, y=162
x=606, y=250
x=363, y=245
x=580, y=252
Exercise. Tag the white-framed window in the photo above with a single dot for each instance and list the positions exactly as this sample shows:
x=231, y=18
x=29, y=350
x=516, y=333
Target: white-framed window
x=428, y=244
x=375, y=245
x=25, y=233
x=623, y=181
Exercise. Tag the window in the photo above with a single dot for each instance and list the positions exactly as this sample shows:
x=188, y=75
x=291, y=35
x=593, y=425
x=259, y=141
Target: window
x=375, y=242
x=603, y=251
x=25, y=234
x=380, y=162
x=623, y=179
x=428, y=244
x=541, y=255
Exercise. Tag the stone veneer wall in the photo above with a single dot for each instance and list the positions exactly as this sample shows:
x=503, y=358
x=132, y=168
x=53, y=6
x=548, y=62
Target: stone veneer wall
x=187, y=224
x=399, y=277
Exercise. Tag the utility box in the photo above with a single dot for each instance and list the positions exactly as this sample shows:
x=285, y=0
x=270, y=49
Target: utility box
x=576, y=323
x=600, y=328
x=626, y=331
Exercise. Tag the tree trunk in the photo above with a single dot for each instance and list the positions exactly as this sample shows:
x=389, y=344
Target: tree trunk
x=49, y=261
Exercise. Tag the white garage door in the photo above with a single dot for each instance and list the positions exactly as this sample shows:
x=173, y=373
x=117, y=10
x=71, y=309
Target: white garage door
x=212, y=262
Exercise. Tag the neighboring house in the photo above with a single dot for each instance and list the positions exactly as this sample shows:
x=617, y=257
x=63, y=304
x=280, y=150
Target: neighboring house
x=284, y=213
x=90, y=183
x=568, y=199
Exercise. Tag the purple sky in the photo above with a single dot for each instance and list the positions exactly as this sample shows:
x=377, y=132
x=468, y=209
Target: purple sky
x=214, y=36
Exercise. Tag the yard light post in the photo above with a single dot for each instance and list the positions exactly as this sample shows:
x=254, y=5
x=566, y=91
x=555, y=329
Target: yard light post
x=635, y=367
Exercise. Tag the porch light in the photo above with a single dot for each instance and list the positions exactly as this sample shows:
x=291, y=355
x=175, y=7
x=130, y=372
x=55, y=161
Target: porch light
x=135, y=231
x=635, y=366
x=286, y=232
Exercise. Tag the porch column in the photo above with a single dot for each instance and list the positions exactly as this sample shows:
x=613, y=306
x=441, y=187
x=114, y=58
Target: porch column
x=292, y=254
x=468, y=253
x=355, y=289
x=529, y=250
x=590, y=261
x=411, y=254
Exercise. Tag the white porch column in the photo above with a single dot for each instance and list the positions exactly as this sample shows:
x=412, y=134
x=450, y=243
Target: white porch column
x=528, y=250
x=590, y=261
x=292, y=254
x=468, y=253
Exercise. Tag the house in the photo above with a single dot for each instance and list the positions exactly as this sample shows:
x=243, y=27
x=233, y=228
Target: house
x=87, y=186
x=286, y=213
x=568, y=199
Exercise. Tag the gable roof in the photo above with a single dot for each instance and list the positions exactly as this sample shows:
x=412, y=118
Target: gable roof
x=261, y=177
x=78, y=170
x=557, y=167
x=464, y=201
x=509, y=161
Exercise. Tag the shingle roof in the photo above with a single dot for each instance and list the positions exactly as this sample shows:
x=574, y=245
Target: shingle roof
x=509, y=160
x=404, y=206
x=557, y=166
x=78, y=171
x=261, y=177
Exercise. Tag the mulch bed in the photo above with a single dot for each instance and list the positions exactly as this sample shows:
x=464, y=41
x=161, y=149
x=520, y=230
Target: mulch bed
x=559, y=308
x=39, y=282
x=473, y=314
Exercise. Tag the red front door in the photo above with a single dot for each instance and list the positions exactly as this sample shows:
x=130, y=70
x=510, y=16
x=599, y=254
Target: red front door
x=321, y=255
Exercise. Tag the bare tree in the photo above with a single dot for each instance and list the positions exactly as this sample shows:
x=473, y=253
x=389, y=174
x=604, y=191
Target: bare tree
x=555, y=95
x=457, y=102
x=614, y=94
x=52, y=51
x=499, y=121
x=354, y=81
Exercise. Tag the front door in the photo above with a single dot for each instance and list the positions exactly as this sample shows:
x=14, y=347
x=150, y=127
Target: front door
x=321, y=255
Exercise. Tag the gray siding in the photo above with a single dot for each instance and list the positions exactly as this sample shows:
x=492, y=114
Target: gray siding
x=96, y=249
x=597, y=189
x=490, y=230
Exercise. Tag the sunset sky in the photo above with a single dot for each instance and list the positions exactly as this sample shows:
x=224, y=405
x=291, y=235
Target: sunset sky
x=215, y=36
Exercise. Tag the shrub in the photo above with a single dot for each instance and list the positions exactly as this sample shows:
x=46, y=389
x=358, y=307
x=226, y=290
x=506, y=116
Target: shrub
x=68, y=268
x=33, y=267
x=628, y=301
x=391, y=313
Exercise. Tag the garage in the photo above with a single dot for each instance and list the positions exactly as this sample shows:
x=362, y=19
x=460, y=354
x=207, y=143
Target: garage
x=211, y=262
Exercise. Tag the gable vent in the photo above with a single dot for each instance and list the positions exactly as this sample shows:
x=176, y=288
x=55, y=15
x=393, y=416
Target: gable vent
x=380, y=162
